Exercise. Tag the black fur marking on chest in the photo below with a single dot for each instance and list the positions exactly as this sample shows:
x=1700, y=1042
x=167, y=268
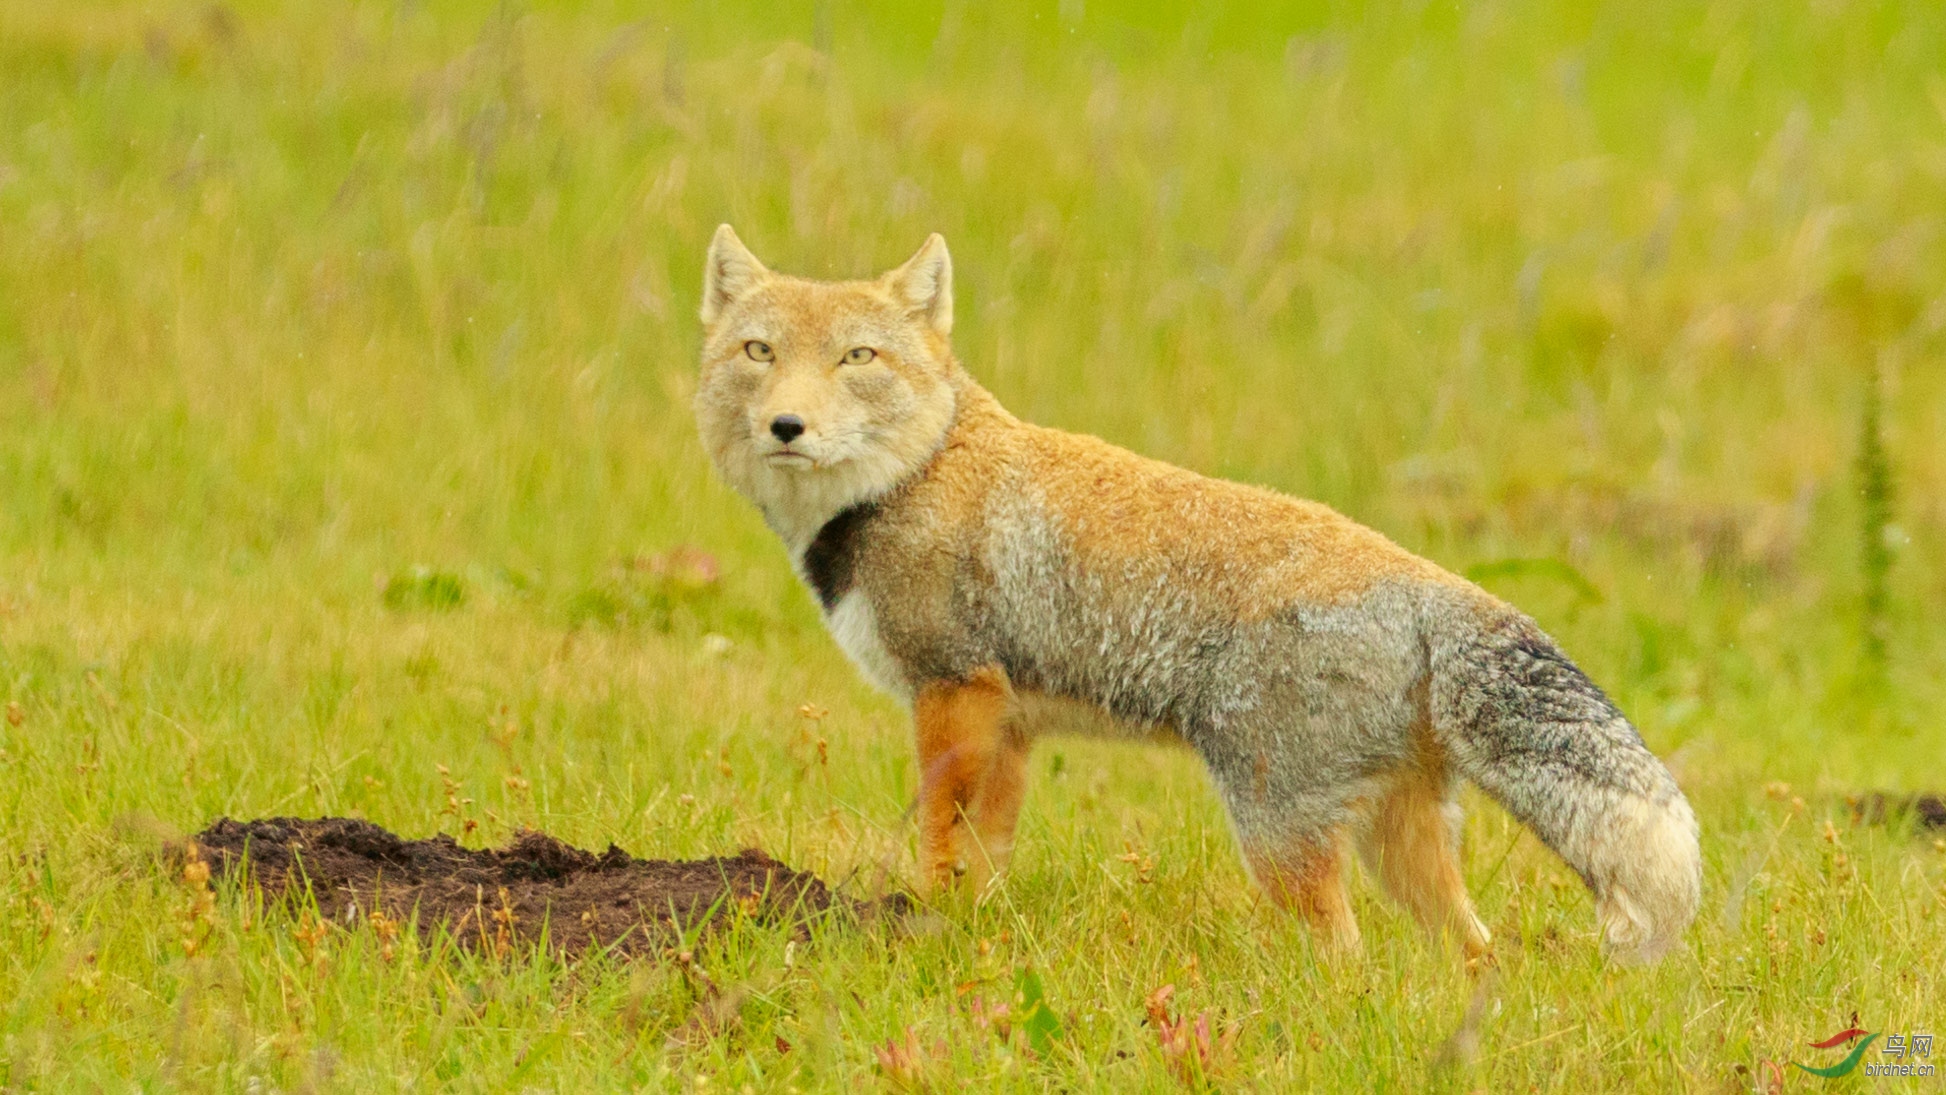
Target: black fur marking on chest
x=828, y=562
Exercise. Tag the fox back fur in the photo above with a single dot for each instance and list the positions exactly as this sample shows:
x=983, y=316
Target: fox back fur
x=1007, y=580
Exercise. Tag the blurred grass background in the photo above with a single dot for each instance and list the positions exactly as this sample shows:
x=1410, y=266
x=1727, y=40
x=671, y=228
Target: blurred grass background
x=345, y=357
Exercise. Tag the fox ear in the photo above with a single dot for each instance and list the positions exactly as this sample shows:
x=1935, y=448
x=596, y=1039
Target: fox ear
x=729, y=272
x=925, y=283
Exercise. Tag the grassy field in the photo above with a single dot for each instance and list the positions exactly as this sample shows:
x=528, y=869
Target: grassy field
x=345, y=358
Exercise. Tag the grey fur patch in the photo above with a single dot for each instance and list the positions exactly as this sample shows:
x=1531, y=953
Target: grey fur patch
x=1295, y=708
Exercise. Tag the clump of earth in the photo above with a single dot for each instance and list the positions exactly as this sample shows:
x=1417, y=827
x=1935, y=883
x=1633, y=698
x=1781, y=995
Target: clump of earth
x=533, y=888
x=1921, y=811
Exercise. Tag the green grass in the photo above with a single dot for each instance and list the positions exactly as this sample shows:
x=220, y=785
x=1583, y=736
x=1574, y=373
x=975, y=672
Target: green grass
x=345, y=356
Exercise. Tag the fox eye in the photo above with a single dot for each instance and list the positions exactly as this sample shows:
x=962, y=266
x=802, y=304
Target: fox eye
x=858, y=355
x=759, y=351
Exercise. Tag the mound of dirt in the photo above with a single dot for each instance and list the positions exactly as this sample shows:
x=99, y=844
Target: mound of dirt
x=1884, y=807
x=503, y=897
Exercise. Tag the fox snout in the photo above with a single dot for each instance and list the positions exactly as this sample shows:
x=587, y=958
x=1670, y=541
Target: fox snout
x=793, y=413
x=790, y=439
x=787, y=428
x=782, y=431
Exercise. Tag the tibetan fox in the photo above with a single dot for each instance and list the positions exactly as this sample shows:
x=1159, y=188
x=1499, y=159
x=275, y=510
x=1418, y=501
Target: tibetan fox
x=1006, y=580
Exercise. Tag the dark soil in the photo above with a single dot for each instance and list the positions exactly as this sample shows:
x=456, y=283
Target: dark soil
x=1880, y=808
x=502, y=898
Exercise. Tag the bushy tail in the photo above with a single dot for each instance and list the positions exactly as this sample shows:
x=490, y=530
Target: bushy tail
x=1518, y=719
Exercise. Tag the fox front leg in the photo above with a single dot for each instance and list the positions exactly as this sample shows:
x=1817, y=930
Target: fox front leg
x=996, y=805
x=971, y=768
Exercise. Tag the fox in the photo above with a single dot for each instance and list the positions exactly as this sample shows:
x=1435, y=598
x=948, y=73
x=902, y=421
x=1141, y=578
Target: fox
x=1006, y=581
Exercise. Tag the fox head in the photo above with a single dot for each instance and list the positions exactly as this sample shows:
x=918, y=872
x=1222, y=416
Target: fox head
x=816, y=396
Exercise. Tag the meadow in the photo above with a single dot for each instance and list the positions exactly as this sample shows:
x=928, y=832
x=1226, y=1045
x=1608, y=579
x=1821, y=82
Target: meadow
x=347, y=467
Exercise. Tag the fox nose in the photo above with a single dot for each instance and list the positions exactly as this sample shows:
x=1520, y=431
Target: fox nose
x=787, y=428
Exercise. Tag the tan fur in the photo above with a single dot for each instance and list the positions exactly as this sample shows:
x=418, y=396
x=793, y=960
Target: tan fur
x=1305, y=549
x=1009, y=580
x=1411, y=846
x=968, y=771
x=996, y=805
x=1307, y=877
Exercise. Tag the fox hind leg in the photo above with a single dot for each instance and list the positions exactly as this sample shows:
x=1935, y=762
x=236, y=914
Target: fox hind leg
x=1412, y=845
x=1305, y=875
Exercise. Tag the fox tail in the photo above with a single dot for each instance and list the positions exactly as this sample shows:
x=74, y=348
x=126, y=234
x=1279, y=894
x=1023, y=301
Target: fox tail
x=1518, y=719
